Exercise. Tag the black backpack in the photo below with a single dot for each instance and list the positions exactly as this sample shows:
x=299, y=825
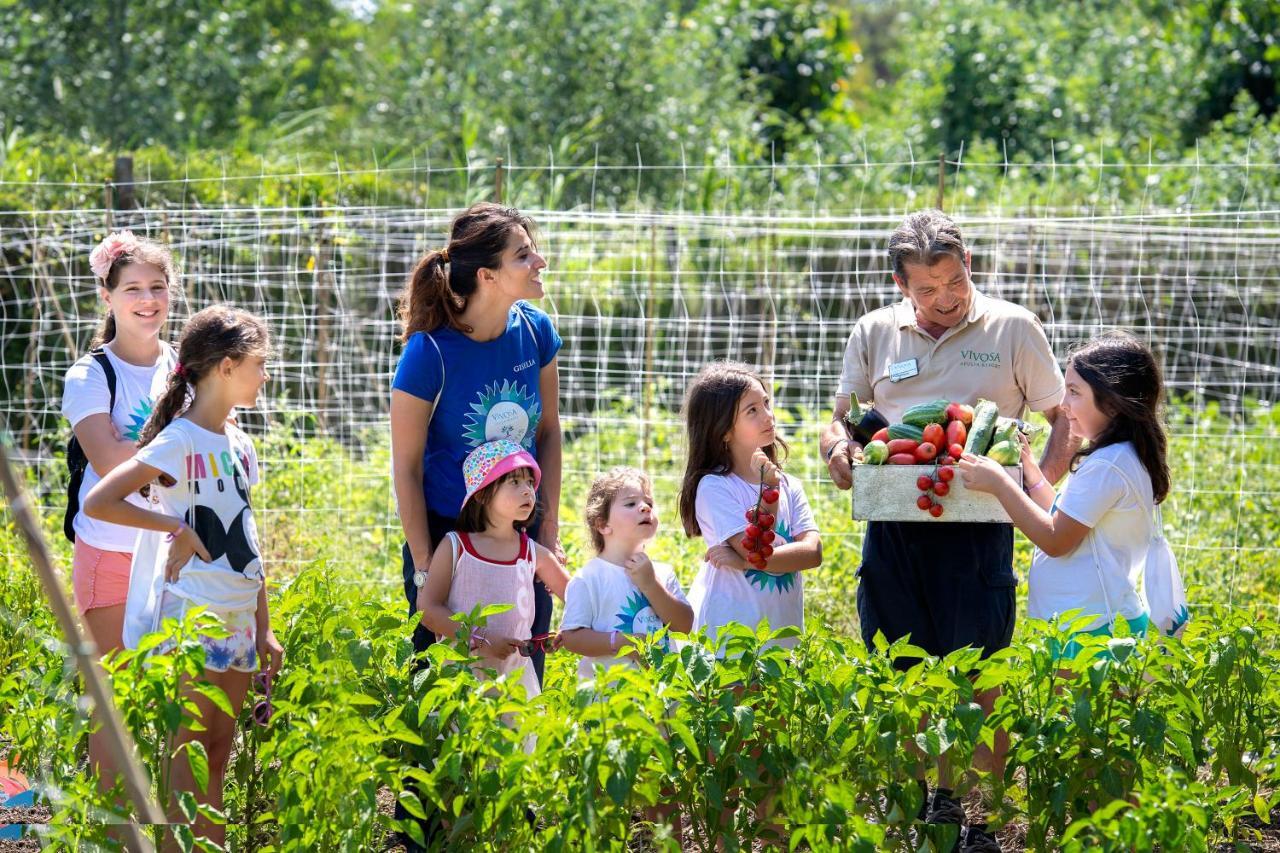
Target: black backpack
x=76, y=460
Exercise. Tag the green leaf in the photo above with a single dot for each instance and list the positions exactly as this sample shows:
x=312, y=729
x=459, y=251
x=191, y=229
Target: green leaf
x=217, y=697
x=199, y=761
x=412, y=804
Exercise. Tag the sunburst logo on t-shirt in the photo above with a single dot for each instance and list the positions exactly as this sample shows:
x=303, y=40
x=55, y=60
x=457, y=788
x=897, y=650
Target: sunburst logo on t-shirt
x=504, y=410
x=631, y=608
x=138, y=418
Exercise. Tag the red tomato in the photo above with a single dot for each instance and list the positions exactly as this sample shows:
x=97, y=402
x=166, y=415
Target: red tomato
x=753, y=531
x=934, y=435
x=957, y=433
x=882, y=434
x=945, y=474
x=936, y=510
x=902, y=445
x=946, y=460
x=766, y=536
x=902, y=459
x=924, y=501
x=925, y=452
x=956, y=450
x=770, y=495
x=766, y=551
x=750, y=544
x=923, y=483
x=751, y=515
x=941, y=488
x=766, y=521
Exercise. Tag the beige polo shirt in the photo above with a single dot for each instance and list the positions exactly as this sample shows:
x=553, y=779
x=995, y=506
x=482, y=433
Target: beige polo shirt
x=999, y=353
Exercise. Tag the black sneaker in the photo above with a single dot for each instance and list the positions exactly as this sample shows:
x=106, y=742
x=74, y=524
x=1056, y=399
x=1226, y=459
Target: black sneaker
x=976, y=839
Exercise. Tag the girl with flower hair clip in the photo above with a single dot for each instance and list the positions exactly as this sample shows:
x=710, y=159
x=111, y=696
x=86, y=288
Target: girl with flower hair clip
x=107, y=396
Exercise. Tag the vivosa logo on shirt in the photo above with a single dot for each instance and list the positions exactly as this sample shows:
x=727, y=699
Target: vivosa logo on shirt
x=977, y=358
x=503, y=410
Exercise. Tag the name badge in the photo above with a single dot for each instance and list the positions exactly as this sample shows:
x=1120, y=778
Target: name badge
x=904, y=370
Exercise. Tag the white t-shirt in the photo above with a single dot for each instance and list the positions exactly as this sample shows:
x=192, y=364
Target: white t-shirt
x=720, y=596
x=601, y=597
x=214, y=502
x=1097, y=496
x=85, y=393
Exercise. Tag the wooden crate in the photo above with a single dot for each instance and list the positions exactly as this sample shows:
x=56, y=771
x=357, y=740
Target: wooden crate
x=889, y=493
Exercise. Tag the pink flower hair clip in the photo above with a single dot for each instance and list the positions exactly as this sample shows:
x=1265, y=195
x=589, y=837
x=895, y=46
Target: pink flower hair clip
x=112, y=247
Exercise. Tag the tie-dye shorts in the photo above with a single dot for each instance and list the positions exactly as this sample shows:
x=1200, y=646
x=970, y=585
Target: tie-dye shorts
x=237, y=651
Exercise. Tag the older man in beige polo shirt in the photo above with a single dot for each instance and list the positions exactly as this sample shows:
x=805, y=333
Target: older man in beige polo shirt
x=947, y=585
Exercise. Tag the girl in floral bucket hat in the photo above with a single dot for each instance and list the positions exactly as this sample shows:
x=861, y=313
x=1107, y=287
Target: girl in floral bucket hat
x=490, y=559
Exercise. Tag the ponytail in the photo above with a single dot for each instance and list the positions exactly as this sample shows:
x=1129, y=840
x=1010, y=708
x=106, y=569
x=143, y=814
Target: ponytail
x=172, y=402
x=427, y=302
x=444, y=279
x=106, y=330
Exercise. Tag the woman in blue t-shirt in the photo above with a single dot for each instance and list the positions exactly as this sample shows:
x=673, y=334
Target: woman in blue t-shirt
x=479, y=364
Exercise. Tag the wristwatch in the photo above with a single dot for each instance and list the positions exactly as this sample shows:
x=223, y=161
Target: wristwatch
x=419, y=578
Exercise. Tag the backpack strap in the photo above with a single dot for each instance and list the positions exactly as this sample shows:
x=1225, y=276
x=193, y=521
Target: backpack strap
x=99, y=355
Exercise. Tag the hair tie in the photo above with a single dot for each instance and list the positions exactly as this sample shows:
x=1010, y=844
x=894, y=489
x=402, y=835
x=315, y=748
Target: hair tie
x=179, y=371
x=444, y=255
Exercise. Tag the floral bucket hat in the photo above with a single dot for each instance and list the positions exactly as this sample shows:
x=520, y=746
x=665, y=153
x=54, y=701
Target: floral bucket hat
x=491, y=460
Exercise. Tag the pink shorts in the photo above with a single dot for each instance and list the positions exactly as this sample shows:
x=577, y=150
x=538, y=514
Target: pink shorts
x=99, y=578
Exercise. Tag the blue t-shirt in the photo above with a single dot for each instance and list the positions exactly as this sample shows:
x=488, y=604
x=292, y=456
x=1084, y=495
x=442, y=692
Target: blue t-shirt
x=491, y=391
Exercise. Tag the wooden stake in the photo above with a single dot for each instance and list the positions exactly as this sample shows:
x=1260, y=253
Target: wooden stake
x=85, y=653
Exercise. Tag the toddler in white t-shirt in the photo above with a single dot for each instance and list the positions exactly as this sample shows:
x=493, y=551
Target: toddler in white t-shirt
x=621, y=593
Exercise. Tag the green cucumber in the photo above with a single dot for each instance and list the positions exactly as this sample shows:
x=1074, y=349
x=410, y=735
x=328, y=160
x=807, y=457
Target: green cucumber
x=914, y=433
x=984, y=424
x=923, y=414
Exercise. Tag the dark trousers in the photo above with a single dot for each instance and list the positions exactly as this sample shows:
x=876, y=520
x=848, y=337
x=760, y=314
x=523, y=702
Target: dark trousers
x=439, y=526
x=946, y=585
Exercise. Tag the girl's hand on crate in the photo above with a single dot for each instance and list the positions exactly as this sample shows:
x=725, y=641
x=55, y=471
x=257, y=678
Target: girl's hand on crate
x=1031, y=472
x=981, y=473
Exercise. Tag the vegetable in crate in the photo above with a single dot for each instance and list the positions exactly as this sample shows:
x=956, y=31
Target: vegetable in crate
x=1005, y=452
x=864, y=423
x=1006, y=430
x=902, y=445
x=961, y=413
x=923, y=414
x=875, y=453
x=914, y=433
x=984, y=424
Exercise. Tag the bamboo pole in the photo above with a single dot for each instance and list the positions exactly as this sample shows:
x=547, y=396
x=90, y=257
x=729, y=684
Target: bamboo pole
x=85, y=653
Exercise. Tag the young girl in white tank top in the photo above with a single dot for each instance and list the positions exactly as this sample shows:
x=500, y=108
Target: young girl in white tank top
x=491, y=560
